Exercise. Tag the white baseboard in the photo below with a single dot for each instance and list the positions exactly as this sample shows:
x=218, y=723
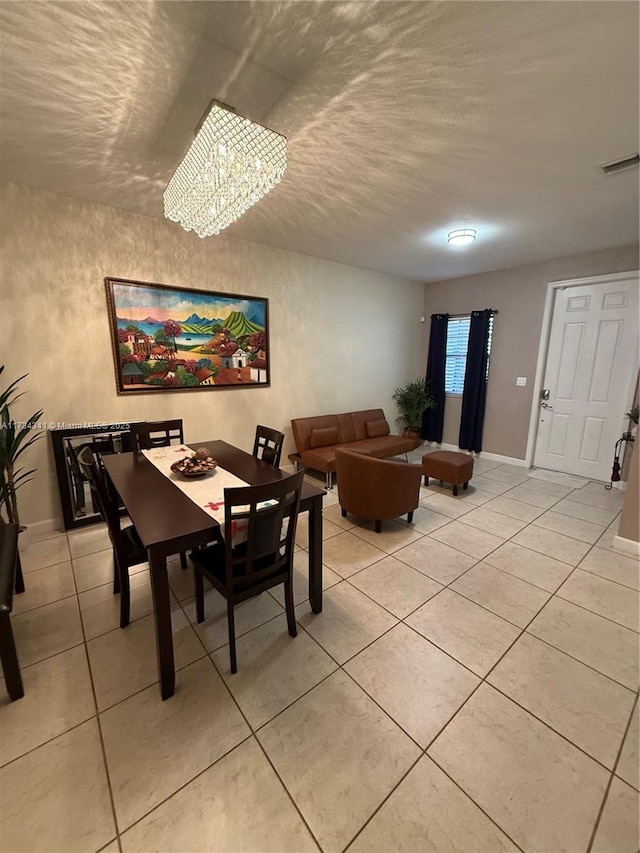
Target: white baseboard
x=41, y=530
x=629, y=546
x=492, y=457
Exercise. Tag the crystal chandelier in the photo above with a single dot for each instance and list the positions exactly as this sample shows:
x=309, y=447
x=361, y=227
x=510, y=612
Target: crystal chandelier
x=229, y=166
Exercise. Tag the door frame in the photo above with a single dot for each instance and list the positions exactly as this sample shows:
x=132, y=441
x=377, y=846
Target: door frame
x=545, y=336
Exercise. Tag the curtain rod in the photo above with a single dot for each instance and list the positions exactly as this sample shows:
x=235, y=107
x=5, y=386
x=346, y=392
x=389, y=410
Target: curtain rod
x=467, y=313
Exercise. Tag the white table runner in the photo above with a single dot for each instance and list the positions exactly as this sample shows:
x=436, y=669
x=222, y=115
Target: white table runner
x=207, y=492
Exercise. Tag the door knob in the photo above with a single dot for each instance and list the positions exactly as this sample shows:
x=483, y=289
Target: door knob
x=545, y=405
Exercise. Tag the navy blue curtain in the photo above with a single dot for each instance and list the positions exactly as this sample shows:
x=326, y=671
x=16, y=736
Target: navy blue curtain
x=433, y=419
x=474, y=395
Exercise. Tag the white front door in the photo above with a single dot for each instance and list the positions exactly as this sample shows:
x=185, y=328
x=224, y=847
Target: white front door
x=592, y=362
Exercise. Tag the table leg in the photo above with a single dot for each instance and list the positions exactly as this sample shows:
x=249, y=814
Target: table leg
x=162, y=616
x=315, y=554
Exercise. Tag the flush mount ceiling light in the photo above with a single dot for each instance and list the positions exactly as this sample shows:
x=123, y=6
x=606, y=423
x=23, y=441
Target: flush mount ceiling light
x=231, y=164
x=462, y=237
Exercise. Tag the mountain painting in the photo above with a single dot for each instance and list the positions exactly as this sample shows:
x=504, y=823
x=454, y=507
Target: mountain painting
x=169, y=338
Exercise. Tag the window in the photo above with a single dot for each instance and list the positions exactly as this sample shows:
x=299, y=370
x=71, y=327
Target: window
x=457, y=343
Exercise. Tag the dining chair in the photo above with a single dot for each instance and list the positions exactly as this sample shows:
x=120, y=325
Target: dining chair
x=241, y=570
x=128, y=550
x=150, y=434
x=268, y=445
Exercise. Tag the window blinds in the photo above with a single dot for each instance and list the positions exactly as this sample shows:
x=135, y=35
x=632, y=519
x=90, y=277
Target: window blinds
x=457, y=344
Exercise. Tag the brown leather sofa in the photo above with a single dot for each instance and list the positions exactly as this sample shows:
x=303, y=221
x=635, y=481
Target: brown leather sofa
x=365, y=432
x=377, y=488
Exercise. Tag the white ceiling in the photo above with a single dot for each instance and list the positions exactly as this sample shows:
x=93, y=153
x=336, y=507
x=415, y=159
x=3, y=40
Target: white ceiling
x=404, y=119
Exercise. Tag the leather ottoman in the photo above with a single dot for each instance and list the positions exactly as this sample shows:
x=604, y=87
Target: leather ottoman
x=448, y=467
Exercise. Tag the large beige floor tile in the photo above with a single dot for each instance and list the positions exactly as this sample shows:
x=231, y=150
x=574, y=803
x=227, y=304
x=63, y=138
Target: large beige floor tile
x=502, y=526
x=507, y=475
x=425, y=520
x=586, y=707
x=435, y=559
x=301, y=579
x=47, y=630
x=530, y=566
x=237, y=805
x=333, y=513
x=576, y=528
x=469, y=540
x=392, y=537
x=100, y=608
x=348, y=553
x=446, y=504
x=155, y=747
x=349, y=621
x=507, y=596
x=601, y=596
x=396, y=586
x=428, y=813
x=464, y=630
x=57, y=696
x=274, y=669
x=45, y=586
x=56, y=798
x=616, y=567
x=543, y=792
x=552, y=544
x=96, y=569
x=418, y=685
x=525, y=495
x=339, y=756
x=124, y=661
x=329, y=529
x=545, y=485
x=214, y=631
x=89, y=540
x=506, y=505
x=593, y=514
x=618, y=830
x=629, y=764
x=489, y=484
x=45, y=552
x=594, y=494
x=592, y=639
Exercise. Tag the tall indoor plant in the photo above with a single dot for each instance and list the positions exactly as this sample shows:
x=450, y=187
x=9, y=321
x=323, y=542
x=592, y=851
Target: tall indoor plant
x=412, y=400
x=15, y=439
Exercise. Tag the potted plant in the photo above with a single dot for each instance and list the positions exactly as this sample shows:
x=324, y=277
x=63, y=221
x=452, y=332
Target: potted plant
x=15, y=438
x=412, y=400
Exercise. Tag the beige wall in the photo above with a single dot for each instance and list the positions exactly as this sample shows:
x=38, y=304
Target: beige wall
x=629, y=527
x=342, y=338
x=519, y=295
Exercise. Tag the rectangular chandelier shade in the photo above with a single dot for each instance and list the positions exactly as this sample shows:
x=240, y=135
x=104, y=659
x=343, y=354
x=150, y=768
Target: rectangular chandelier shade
x=231, y=164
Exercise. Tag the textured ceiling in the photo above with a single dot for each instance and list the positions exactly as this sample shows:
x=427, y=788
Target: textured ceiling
x=404, y=119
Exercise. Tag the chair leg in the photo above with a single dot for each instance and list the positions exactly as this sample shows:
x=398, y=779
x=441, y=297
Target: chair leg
x=116, y=575
x=343, y=511
x=198, y=581
x=426, y=480
x=378, y=525
x=291, y=614
x=19, y=587
x=455, y=491
x=10, y=665
x=183, y=560
x=410, y=517
x=232, y=637
x=465, y=485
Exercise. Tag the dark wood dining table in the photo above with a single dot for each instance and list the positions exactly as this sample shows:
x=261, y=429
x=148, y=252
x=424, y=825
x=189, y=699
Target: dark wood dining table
x=168, y=522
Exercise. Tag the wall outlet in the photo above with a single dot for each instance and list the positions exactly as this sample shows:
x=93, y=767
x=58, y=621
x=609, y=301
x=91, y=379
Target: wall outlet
x=521, y=380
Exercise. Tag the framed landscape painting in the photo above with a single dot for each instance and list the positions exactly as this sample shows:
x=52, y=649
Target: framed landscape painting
x=169, y=338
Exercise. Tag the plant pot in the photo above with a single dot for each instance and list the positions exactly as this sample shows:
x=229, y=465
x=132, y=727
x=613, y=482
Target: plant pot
x=413, y=432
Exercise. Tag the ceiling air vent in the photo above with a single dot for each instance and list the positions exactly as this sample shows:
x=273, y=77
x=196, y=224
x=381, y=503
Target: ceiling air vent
x=620, y=165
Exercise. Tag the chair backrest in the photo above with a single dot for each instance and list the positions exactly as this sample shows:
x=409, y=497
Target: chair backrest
x=267, y=552
x=268, y=445
x=100, y=493
x=145, y=436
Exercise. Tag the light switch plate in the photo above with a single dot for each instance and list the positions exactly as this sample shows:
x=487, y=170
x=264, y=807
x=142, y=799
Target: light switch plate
x=521, y=380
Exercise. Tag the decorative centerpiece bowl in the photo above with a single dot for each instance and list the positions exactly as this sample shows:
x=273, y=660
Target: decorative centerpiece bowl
x=199, y=464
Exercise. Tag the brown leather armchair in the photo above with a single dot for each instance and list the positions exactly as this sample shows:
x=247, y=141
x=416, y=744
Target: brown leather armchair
x=376, y=488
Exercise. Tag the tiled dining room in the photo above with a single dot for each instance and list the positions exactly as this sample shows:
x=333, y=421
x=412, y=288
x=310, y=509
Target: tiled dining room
x=471, y=684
